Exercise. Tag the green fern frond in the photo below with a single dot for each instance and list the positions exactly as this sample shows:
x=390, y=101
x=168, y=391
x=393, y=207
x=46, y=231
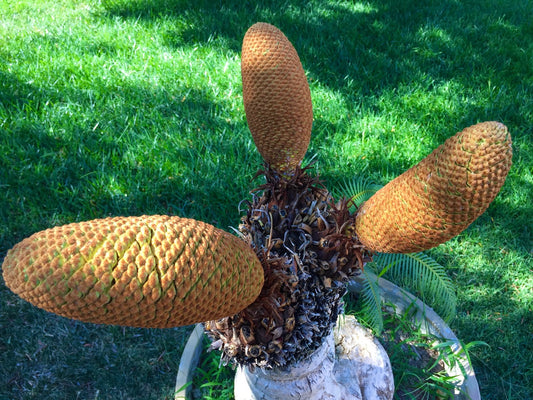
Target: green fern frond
x=422, y=275
x=358, y=189
x=371, y=301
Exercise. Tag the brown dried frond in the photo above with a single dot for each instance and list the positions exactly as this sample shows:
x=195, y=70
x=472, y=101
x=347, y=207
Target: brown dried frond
x=307, y=251
x=287, y=189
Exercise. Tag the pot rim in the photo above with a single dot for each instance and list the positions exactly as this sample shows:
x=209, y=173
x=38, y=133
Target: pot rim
x=430, y=323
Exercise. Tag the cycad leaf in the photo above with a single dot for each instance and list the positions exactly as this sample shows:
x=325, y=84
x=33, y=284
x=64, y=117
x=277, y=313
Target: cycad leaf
x=372, y=301
x=423, y=276
x=358, y=189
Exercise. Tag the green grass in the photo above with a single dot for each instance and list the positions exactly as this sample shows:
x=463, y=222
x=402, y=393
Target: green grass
x=212, y=381
x=129, y=107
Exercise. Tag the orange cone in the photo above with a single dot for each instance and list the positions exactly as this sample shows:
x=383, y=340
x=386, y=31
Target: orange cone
x=149, y=271
x=277, y=99
x=439, y=197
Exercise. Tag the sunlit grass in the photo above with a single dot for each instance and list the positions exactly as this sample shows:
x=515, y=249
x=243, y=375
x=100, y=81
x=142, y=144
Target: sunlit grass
x=128, y=107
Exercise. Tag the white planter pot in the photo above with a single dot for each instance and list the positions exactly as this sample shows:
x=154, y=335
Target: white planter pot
x=188, y=363
x=326, y=369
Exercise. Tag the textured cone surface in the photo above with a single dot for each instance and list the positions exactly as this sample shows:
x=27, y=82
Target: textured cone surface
x=150, y=271
x=438, y=198
x=276, y=97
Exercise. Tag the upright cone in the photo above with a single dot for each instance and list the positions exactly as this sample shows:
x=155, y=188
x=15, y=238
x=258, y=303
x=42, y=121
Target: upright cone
x=439, y=197
x=277, y=99
x=150, y=271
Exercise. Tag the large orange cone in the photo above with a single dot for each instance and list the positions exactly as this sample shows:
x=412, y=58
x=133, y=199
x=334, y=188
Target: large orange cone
x=149, y=271
x=439, y=197
x=277, y=99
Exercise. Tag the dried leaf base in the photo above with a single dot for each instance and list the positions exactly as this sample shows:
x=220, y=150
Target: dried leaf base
x=351, y=364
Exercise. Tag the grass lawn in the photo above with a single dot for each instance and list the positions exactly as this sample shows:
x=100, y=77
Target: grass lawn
x=131, y=107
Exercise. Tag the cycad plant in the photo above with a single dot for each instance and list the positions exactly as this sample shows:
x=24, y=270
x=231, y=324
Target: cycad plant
x=270, y=295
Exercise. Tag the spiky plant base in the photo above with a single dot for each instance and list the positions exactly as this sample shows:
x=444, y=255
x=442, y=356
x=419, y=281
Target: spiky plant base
x=308, y=251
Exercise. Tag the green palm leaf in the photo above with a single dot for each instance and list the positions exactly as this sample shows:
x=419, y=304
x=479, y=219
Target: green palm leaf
x=357, y=189
x=371, y=300
x=423, y=276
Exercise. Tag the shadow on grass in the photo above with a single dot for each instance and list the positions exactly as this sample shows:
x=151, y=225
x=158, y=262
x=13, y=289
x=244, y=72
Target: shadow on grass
x=377, y=44
x=52, y=178
x=101, y=167
x=44, y=356
x=364, y=51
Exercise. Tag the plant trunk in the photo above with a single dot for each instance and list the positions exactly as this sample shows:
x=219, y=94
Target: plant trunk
x=350, y=364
